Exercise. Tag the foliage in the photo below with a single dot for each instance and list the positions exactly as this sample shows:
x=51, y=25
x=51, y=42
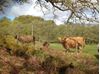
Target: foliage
x=28, y=59
x=48, y=30
x=5, y=21
x=78, y=9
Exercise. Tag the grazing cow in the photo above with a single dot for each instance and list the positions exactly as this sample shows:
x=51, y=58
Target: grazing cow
x=72, y=42
x=26, y=38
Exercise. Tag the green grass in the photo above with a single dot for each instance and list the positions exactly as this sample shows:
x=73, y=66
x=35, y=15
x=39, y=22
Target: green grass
x=91, y=49
x=56, y=46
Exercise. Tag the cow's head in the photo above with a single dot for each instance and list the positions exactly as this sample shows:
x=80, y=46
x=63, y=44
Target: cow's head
x=61, y=39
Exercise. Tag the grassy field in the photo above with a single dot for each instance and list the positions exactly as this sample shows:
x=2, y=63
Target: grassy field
x=91, y=49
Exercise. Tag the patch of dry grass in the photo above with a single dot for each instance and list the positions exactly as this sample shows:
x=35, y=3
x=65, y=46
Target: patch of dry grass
x=28, y=60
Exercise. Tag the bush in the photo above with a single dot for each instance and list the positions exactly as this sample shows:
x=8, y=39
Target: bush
x=40, y=54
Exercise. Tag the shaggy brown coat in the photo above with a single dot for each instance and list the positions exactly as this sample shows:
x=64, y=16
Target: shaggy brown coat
x=26, y=38
x=72, y=42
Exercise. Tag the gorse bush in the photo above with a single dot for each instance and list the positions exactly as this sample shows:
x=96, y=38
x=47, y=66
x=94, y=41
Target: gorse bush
x=40, y=54
x=16, y=47
x=2, y=41
x=10, y=41
x=28, y=47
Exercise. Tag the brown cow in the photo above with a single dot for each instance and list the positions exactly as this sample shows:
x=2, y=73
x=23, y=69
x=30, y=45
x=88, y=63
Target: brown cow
x=72, y=42
x=80, y=40
x=26, y=38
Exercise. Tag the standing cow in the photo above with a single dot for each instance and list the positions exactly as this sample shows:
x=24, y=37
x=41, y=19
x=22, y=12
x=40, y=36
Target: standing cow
x=26, y=38
x=80, y=40
x=72, y=42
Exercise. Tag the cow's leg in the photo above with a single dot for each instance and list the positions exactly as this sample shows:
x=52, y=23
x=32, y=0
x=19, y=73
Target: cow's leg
x=67, y=50
x=80, y=48
x=76, y=47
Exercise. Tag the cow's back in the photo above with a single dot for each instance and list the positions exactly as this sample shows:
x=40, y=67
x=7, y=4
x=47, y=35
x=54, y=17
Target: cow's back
x=25, y=38
x=80, y=40
x=70, y=43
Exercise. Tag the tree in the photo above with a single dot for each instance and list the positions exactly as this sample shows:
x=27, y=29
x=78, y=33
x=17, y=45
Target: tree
x=5, y=22
x=47, y=30
x=79, y=9
x=7, y=3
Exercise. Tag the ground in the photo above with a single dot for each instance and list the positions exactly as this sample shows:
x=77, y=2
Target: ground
x=89, y=48
x=50, y=61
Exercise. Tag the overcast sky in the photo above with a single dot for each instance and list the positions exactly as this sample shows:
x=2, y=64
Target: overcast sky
x=30, y=9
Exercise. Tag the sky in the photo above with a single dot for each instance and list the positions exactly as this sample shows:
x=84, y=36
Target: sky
x=30, y=9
